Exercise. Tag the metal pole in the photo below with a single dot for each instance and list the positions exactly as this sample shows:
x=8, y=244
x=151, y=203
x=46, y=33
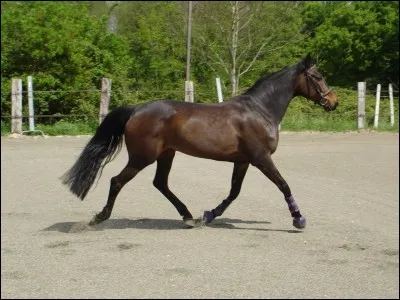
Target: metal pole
x=189, y=90
x=391, y=104
x=189, y=37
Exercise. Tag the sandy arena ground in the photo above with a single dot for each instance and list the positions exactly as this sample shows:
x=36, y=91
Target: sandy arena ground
x=346, y=185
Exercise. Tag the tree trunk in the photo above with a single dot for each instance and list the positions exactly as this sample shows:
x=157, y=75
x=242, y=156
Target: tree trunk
x=112, y=18
x=233, y=82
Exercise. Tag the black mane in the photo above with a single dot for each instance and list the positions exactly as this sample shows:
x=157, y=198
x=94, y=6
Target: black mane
x=300, y=67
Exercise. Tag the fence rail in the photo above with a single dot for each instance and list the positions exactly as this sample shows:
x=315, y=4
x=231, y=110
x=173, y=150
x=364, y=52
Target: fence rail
x=16, y=99
x=379, y=94
x=52, y=116
x=104, y=94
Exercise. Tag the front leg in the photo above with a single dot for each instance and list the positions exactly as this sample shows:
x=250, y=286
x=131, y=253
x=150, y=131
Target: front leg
x=267, y=167
x=239, y=171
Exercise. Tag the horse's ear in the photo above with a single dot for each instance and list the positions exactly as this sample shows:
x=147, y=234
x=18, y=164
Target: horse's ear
x=309, y=61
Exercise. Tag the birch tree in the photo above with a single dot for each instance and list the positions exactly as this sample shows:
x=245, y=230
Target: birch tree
x=232, y=37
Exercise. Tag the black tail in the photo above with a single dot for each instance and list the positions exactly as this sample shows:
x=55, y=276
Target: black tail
x=105, y=144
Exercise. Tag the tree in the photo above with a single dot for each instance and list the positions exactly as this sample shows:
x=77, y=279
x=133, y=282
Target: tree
x=157, y=41
x=63, y=48
x=232, y=37
x=356, y=41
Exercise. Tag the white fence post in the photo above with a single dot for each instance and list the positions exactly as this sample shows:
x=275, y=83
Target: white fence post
x=219, y=90
x=361, y=104
x=391, y=104
x=378, y=99
x=189, y=91
x=30, y=103
x=16, y=105
x=104, y=98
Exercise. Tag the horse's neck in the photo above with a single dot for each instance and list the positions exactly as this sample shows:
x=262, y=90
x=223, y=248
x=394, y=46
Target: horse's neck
x=273, y=99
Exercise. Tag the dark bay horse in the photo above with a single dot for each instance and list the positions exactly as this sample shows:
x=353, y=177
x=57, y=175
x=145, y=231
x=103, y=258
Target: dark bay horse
x=243, y=130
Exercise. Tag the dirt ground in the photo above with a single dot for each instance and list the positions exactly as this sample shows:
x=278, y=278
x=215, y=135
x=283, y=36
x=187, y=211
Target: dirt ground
x=346, y=184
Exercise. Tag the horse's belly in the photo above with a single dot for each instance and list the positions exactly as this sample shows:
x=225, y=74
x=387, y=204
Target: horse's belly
x=207, y=142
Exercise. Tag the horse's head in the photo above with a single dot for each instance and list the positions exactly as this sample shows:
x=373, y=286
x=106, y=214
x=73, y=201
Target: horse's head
x=313, y=86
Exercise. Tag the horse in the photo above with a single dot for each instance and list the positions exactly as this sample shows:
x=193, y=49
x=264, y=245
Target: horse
x=243, y=130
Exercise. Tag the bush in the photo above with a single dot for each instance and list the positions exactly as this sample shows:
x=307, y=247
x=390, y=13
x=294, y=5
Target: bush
x=303, y=114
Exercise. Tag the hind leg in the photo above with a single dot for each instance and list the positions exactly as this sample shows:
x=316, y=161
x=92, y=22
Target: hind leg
x=164, y=163
x=116, y=184
x=239, y=171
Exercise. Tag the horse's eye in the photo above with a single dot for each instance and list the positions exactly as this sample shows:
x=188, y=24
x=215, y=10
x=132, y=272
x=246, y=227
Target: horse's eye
x=317, y=76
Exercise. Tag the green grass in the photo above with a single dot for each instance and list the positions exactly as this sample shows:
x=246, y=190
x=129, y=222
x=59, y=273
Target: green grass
x=289, y=123
x=387, y=127
x=59, y=128
x=68, y=128
x=324, y=124
x=317, y=124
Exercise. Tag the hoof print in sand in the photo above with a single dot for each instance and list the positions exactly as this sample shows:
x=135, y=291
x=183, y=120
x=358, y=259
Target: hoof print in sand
x=127, y=246
x=57, y=245
x=352, y=247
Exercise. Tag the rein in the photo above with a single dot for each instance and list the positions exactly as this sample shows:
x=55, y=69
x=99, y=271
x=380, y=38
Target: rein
x=317, y=88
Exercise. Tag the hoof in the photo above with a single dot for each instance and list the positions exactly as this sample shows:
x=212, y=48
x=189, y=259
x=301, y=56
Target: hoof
x=96, y=220
x=299, y=223
x=194, y=223
x=190, y=222
x=208, y=216
x=93, y=222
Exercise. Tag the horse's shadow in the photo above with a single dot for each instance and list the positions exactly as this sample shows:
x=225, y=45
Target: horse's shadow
x=156, y=224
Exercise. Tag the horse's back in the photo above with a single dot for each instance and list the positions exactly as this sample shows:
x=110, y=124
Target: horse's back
x=202, y=130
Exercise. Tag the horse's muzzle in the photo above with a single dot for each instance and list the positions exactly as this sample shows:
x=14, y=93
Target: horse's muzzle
x=330, y=107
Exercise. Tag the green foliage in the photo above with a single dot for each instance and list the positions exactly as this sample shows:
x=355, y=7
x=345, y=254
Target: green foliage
x=61, y=127
x=259, y=47
x=5, y=128
x=158, y=42
x=67, y=48
x=357, y=41
x=68, y=128
x=304, y=114
x=63, y=49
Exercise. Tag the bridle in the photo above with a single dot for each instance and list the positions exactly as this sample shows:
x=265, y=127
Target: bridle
x=323, y=101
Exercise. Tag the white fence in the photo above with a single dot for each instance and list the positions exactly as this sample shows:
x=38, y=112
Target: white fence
x=361, y=104
x=16, y=104
x=105, y=94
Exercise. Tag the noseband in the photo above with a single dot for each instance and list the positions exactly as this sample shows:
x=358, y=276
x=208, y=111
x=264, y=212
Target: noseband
x=323, y=101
